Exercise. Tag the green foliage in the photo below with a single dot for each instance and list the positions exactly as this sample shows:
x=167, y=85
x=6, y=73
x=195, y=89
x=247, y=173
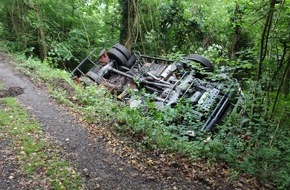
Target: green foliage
x=68, y=28
x=184, y=26
x=60, y=51
x=175, y=26
x=248, y=143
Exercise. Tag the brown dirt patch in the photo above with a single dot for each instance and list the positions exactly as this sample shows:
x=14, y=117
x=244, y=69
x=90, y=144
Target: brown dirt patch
x=11, y=92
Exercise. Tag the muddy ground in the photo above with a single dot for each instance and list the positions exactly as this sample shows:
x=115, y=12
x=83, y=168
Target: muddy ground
x=100, y=166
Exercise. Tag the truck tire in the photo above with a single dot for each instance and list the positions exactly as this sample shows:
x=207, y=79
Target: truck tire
x=117, y=56
x=130, y=62
x=123, y=50
x=202, y=60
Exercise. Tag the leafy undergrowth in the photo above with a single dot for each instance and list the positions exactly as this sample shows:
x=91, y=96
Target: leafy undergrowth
x=216, y=161
x=41, y=163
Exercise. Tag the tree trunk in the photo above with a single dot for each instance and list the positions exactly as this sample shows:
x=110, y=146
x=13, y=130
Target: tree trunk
x=129, y=22
x=286, y=82
x=41, y=38
x=265, y=37
x=282, y=81
x=237, y=34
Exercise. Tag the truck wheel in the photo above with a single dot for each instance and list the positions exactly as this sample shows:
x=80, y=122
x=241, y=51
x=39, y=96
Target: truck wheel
x=131, y=62
x=123, y=50
x=202, y=60
x=117, y=56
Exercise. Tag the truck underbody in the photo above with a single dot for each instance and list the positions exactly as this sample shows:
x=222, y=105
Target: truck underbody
x=168, y=81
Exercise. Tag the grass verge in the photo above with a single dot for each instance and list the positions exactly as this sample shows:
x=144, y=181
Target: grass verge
x=41, y=162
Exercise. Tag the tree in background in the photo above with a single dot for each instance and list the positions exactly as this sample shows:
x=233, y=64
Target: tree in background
x=64, y=31
x=166, y=26
x=129, y=22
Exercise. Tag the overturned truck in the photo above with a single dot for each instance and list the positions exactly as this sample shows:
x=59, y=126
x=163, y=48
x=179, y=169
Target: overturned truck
x=168, y=81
